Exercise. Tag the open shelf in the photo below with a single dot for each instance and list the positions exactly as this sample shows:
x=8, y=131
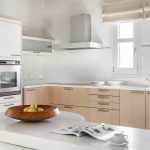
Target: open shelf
x=36, y=46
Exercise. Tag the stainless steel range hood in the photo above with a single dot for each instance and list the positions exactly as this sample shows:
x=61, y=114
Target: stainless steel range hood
x=78, y=46
x=80, y=35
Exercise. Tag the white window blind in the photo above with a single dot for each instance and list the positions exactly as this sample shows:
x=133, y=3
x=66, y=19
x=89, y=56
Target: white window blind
x=124, y=10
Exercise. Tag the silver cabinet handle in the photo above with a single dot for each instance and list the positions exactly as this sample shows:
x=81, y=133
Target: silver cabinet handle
x=103, y=90
x=103, y=110
x=8, y=97
x=15, y=55
x=29, y=89
x=9, y=105
x=71, y=107
x=103, y=96
x=67, y=88
x=136, y=92
x=103, y=103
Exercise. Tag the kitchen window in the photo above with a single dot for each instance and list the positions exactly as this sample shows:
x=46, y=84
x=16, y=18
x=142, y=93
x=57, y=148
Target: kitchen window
x=125, y=48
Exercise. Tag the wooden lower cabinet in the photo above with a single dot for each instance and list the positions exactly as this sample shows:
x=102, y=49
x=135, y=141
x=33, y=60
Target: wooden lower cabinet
x=148, y=110
x=104, y=115
x=83, y=111
x=40, y=95
x=132, y=108
x=70, y=96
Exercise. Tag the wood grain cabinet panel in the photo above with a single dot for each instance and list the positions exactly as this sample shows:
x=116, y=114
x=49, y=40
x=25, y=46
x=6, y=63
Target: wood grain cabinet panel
x=59, y=95
x=148, y=110
x=132, y=108
x=114, y=117
x=104, y=116
x=70, y=96
x=40, y=95
x=83, y=111
x=111, y=92
x=99, y=115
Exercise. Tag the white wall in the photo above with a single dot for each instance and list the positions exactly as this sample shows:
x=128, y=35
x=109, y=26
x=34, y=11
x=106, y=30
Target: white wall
x=79, y=65
x=30, y=12
x=51, y=18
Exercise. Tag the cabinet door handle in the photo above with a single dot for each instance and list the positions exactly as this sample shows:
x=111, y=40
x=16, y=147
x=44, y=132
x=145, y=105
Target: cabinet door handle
x=8, y=97
x=103, y=90
x=15, y=55
x=29, y=89
x=71, y=107
x=6, y=105
x=148, y=92
x=66, y=88
x=136, y=92
x=103, y=96
x=103, y=103
x=103, y=110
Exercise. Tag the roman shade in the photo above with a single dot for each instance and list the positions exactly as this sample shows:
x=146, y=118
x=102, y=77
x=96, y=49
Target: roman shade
x=123, y=10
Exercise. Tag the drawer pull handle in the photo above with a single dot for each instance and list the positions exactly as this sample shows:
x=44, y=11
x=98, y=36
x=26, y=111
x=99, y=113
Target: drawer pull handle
x=102, y=90
x=68, y=107
x=8, y=97
x=103, y=110
x=101, y=103
x=15, y=55
x=137, y=92
x=8, y=105
x=29, y=90
x=148, y=92
x=68, y=88
x=103, y=96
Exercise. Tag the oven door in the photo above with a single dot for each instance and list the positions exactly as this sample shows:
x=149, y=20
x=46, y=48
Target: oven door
x=9, y=78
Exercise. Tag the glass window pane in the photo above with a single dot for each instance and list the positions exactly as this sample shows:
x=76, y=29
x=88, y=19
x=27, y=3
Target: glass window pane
x=125, y=55
x=125, y=30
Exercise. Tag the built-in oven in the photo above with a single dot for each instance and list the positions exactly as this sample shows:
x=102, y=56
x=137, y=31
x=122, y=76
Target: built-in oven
x=10, y=77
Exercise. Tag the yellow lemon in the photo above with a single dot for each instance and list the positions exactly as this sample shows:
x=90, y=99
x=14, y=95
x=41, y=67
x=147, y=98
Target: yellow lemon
x=40, y=109
x=31, y=110
x=25, y=109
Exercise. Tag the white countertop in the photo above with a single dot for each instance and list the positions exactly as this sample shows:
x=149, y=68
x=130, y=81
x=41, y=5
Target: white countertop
x=37, y=136
x=125, y=87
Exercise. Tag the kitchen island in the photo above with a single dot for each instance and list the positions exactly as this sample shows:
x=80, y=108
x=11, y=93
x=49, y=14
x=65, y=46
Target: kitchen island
x=36, y=135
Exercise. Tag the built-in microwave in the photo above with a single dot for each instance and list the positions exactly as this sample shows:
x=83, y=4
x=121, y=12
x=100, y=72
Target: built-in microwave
x=9, y=77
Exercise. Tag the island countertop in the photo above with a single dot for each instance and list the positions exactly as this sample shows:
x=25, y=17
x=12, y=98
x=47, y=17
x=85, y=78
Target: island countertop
x=37, y=135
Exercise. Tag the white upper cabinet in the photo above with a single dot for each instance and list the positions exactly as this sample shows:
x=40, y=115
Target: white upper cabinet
x=10, y=39
x=145, y=33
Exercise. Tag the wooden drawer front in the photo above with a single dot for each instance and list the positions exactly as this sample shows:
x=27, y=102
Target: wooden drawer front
x=99, y=115
x=68, y=108
x=114, y=106
x=114, y=116
x=99, y=105
x=105, y=105
x=99, y=91
x=112, y=92
x=99, y=98
x=113, y=99
x=83, y=111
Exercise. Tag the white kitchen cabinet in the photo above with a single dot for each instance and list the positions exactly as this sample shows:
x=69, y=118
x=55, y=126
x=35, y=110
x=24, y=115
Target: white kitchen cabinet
x=9, y=101
x=10, y=39
x=145, y=35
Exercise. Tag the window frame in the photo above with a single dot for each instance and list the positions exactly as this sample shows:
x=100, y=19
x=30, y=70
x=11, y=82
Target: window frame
x=125, y=71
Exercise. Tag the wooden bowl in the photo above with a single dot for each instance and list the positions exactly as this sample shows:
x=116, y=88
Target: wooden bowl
x=16, y=112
